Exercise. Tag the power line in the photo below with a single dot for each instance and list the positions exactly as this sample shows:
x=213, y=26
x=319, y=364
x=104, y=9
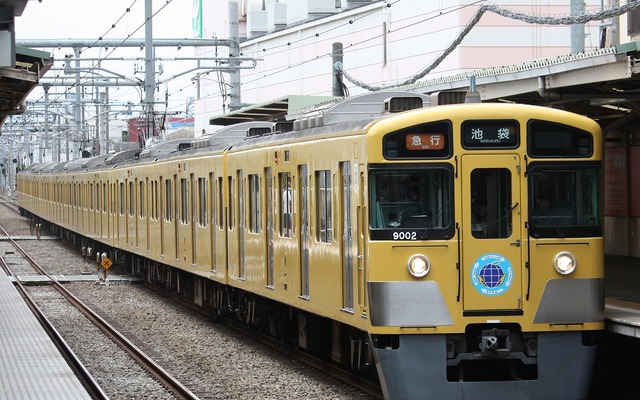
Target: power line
x=528, y=18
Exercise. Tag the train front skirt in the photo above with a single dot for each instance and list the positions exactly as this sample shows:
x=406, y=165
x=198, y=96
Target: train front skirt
x=417, y=369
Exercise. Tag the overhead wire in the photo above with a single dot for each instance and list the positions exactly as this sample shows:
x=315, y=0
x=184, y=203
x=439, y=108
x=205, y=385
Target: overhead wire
x=582, y=18
x=114, y=48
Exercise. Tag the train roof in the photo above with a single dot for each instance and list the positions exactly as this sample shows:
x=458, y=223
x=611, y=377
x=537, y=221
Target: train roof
x=234, y=133
x=361, y=107
x=345, y=115
x=163, y=149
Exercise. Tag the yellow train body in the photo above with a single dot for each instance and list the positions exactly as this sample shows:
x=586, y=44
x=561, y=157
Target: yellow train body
x=300, y=218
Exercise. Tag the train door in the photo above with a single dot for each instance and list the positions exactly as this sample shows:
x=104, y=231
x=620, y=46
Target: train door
x=303, y=198
x=213, y=228
x=193, y=197
x=134, y=223
x=241, y=224
x=347, y=235
x=162, y=200
x=175, y=217
x=148, y=215
x=491, y=252
x=361, y=215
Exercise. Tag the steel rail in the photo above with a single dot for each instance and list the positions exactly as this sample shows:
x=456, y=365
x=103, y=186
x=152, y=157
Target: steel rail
x=159, y=373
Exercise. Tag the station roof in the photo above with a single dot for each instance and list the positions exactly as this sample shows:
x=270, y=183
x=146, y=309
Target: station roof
x=272, y=110
x=602, y=84
x=16, y=83
x=18, y=6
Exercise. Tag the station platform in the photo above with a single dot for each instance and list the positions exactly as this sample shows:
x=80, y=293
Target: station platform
x=31, y=367
x=622, y=295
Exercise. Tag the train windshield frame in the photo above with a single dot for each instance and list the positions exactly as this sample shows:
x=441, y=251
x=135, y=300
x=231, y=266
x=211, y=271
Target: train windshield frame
x=565, y=200
x=411, y=201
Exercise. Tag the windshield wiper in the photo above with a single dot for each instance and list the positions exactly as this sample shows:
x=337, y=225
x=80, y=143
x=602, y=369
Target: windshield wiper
x=507, y=214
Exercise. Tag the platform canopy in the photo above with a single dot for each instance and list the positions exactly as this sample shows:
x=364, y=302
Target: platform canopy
x=21, y=68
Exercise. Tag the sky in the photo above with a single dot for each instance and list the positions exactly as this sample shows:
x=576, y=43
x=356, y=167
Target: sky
x=92, y=19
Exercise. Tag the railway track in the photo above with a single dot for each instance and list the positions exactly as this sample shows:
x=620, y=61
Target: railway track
x=328, y=369
x=326, y=379
x=173, y=385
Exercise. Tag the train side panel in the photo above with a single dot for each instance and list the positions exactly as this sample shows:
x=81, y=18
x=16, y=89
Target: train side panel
x=312, y=259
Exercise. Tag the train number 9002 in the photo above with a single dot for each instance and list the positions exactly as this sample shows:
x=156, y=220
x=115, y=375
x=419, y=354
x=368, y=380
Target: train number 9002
x=405, y=235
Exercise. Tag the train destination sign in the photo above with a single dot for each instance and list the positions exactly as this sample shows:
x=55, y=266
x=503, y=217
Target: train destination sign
x=490, y=134
x=425, y=141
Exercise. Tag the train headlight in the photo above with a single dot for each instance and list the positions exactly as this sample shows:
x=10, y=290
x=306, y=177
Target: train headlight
x=564, y=262
x=419, y=265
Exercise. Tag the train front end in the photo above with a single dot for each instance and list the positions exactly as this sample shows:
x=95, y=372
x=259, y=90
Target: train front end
x=484, y=256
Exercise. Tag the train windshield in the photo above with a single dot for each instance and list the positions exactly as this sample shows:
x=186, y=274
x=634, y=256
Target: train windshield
x=415, y=199
x=565, y=201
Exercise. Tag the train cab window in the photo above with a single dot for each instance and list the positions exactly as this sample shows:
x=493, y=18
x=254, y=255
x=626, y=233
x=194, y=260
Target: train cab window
x=413, y=202
x=491, y=208
x=564, y=200
x=286, y=204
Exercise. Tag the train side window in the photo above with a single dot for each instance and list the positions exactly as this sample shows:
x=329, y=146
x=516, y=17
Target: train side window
x=491, y=216
x=286, y=204
x=211, y=208
x=241, y=203
x=231, y=221
x=122, y=198
x=98, y=194
x=141, y=197
x=168, y=201
x=220, y=203
x=132, y=199
x=184, y=198
x=324, y=225
x=254, y=203
x=104, y=197
x=202, y=202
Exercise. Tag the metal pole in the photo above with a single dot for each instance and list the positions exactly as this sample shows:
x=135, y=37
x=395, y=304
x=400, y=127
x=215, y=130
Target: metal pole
x=150, y=69
x=45, y=87
x=336, y=67
x=78, y=104
x=234, y=51
x=577, y=30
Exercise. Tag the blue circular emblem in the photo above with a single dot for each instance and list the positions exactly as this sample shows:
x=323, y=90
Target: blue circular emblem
x=492, y=274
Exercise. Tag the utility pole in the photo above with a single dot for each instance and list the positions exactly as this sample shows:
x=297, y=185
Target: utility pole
x=577, y=30
x=150, y=71
x=234, y=51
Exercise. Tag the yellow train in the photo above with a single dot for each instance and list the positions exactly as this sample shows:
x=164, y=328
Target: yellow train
x=458, y=248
